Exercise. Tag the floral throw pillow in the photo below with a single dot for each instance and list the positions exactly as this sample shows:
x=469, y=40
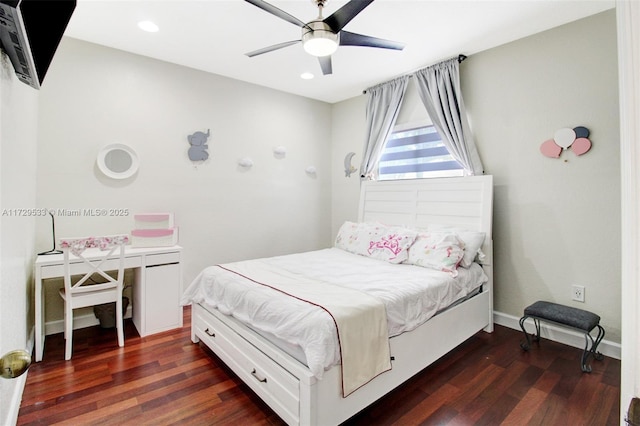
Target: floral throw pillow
x=78, y=245
x=388, y=243
x=437, y=250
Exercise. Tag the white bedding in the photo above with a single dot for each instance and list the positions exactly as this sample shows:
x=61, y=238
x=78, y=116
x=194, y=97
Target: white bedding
x=411, y=295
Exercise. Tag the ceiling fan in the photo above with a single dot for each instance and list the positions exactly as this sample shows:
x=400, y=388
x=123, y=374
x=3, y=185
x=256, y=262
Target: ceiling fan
x=321, y=37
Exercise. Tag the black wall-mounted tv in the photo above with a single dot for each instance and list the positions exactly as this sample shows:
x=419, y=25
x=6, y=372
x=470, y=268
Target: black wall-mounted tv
x=30, y=31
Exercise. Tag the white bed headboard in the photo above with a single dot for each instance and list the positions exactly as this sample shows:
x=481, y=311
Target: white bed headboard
x=465, y=202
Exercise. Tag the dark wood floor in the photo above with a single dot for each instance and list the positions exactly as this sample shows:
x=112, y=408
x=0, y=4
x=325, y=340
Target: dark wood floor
x=165, y=379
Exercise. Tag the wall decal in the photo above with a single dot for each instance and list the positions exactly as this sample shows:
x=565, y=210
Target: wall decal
x=580, y=146
x=348, y=168
x=581, y=132
x=245, y=162
x=564, y=137
x=550, y=149
x=198, y=149
x=280, y=152
x=575, y=139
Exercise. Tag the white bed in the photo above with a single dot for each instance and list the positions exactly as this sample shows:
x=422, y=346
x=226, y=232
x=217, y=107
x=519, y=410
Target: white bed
x=277, y=370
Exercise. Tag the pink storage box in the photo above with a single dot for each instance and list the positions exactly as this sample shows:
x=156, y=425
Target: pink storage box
x=154, y=237
x=153, y=221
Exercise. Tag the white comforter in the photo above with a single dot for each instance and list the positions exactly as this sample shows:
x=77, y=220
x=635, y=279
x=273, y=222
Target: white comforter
x=411, y=295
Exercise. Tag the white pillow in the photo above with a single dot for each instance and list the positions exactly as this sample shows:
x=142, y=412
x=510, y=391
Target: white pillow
x=473, y=241
x=388, y=243
x=442, y=251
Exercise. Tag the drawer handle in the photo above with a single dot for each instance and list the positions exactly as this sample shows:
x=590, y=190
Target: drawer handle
x=260, y=379
x=210, y=333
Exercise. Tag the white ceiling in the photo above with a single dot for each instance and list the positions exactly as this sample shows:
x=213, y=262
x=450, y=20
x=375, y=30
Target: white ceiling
x=214, y=35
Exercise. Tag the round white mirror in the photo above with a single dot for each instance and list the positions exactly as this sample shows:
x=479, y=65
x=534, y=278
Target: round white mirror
x=118, y=161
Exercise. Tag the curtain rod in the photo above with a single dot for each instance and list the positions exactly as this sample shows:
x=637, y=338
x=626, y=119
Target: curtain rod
x=461, y=58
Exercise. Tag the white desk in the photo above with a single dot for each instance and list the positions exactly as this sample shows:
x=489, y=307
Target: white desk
x=156, y=288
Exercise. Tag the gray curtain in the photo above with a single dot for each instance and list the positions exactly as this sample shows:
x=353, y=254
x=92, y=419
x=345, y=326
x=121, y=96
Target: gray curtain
x=383, y=106
x=439, y=88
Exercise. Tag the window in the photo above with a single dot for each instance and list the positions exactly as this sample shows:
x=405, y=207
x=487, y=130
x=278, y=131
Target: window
x=416, y=152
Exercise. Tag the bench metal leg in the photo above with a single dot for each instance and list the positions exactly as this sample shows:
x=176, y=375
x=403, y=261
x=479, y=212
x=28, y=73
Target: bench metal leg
x=536, y=337
x=594, y=346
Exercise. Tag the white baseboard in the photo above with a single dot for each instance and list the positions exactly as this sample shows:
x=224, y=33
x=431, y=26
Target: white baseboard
x=558, y=334
x=80, y=321
x=16, y=399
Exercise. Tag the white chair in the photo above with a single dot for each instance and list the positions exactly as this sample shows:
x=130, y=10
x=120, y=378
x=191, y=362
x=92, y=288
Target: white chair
x=107, y=254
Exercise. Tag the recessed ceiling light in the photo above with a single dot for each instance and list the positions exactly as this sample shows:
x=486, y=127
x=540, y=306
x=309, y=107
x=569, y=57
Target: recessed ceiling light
x=306, y=76
x=148, y=26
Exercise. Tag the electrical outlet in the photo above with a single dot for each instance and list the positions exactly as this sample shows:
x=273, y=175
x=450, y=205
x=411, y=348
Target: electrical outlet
x=577, y=293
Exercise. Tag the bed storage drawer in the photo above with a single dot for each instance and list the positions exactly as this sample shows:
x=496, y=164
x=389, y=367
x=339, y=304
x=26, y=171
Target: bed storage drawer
x=275, y=385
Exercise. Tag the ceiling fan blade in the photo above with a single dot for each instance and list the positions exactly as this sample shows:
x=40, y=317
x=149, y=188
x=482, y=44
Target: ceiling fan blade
x=325, y=64
x=346, y=13
x=277, y=12
x=353, y=39
x=271, y=48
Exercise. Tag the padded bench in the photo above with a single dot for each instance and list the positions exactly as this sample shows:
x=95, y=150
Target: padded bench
x=565, y=316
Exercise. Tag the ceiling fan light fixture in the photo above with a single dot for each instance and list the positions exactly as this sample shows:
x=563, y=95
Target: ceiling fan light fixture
x=318, y=39
x=320, y=46
x=322, y=37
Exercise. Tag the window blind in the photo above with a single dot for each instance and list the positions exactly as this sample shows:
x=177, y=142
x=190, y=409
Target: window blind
x=416, y=153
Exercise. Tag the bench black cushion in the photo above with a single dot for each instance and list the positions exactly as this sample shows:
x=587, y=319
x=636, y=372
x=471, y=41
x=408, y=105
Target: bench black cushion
x=561, y=314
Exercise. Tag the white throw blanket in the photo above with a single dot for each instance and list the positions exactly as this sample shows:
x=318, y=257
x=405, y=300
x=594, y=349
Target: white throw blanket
x=360, y=319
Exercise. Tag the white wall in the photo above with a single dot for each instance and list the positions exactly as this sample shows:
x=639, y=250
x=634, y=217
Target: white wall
x=556, y=223
x=347, y=135
x=18, y=118
x=95, y=96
